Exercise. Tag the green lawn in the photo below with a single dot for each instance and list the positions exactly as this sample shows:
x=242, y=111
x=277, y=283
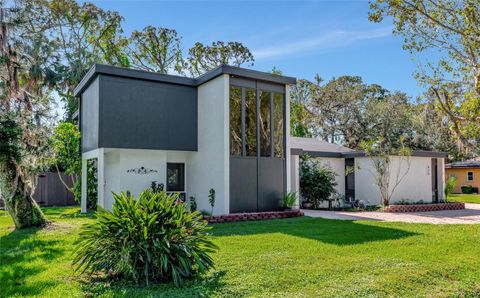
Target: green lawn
x=300, y=257
x=471, y=198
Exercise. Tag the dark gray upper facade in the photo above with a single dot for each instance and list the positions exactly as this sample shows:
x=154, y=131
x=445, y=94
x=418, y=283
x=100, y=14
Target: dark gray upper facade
x=124, y=108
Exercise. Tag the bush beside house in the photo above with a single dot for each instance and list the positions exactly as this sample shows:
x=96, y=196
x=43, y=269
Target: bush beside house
x=150, y=239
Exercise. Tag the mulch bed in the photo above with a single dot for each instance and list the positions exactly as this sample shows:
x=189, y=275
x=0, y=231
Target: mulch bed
x=425, y=207
x=252, y=216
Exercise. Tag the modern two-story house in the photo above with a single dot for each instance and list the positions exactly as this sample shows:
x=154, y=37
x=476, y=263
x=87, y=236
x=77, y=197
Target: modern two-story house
x=227, y=130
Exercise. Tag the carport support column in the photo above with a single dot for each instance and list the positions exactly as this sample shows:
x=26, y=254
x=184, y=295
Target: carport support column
x=84, y=186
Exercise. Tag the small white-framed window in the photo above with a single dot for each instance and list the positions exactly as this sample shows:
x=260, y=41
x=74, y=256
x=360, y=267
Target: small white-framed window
x=469, y=176
x=452, y=176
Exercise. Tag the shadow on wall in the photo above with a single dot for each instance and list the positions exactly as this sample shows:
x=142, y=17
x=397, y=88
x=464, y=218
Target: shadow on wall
x=338, y=232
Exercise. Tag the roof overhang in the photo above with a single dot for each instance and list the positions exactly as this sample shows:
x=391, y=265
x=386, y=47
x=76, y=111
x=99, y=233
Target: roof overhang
x=353, y=154
x=97, y=69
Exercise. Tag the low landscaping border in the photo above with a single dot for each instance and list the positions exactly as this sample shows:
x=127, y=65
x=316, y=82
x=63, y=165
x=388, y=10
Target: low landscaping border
x=252, y=216
x=425, y=207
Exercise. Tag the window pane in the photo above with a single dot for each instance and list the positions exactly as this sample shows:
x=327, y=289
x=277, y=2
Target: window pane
x=235, y=121
x=250, y=123
x=264, y=119
x=175, y=177
x=470, y=176
x=278, y=121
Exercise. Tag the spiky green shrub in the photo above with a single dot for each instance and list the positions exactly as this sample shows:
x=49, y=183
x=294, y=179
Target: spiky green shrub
x=149, y=239
x=289, y=200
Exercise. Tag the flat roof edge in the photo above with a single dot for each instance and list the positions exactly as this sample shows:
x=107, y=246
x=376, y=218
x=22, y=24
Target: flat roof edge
x=296, y=151
x=245, y=73
x=179, y=80
x=97, y=69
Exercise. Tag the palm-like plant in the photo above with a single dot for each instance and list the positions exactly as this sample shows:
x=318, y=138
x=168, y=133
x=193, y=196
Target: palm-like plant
x=152, y=238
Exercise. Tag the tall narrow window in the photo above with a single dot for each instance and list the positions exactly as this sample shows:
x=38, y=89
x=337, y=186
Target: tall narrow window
x=175, y=177
x=235, y=121
x=264, y=122
x=278, y=122
x=469, y=176
x=250, y=123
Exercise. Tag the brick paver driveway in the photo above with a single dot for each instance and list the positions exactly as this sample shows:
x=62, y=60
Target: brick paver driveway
x=471, y=215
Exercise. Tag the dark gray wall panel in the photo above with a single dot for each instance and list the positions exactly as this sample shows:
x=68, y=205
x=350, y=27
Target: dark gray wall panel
x=147, y=115
x=271, y=173
x=89, y=118
x=243, y=184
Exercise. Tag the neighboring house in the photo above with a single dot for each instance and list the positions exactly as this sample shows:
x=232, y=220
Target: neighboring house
x=423, y=171
x=227, y=130
x=467, y=173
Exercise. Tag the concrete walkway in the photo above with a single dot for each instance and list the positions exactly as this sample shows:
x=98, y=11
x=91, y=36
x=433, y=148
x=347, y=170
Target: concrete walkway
x=471, y=215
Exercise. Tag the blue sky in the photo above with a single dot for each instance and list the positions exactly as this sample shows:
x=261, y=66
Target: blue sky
x=301, y=38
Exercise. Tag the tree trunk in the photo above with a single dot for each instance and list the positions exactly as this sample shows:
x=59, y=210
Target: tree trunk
x=25, y=212
x=18, y=201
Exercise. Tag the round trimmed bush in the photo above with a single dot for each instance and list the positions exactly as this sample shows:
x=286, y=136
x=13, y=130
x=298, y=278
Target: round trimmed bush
x=153, y=238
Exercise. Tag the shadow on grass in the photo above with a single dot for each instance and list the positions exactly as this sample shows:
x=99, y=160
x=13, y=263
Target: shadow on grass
x=22, y=255
x=338, y=232
x=204, y=286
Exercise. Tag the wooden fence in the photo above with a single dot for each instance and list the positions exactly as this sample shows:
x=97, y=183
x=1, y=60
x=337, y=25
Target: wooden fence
x=50, y=191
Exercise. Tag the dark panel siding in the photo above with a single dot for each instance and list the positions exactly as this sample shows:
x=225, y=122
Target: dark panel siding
x=147, y=115
x=270, y=183
x=89, y=118
x=243, y=184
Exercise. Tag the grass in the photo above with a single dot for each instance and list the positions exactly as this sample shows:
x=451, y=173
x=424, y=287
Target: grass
x=301, y=257
x=466, y=198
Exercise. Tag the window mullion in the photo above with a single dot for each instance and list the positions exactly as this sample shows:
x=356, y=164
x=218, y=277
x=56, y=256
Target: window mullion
x=272, y=136
x=242, y=117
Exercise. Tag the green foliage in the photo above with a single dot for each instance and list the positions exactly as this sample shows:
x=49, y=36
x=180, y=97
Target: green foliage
x=203, y=58
x=448, y=31
x=211, y=198
x=156, y=49
x=193, y=204
x=317, y=183
x=289, y=200
x=450, y=187
x=149, y=239
x=67, y=155
x=66, y=144
x=467, y=189
x=92, y=184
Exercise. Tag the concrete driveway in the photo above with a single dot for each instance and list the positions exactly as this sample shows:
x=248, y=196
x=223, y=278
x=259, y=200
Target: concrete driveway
x=470, y=215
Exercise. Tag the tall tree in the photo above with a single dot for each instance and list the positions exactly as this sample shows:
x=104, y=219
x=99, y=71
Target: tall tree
x=203, y=58
x=157, y=49
x=81, y=34
x=449, y=30
x=24, y=114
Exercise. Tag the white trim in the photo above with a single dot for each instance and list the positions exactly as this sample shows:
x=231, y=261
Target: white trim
x=287, y=138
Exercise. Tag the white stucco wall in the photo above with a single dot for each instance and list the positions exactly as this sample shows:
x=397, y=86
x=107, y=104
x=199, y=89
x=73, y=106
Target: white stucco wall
x=294, y=177
x=416, y=186
x=119, y=161
x=337, y=165
x=209, y=166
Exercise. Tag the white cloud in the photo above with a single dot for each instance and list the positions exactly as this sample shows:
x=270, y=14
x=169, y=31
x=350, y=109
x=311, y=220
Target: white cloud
x=328, y=40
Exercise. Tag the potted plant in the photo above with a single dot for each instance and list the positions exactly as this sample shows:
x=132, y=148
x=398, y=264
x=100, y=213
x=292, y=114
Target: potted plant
x=289, y=200
x=307, y=204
